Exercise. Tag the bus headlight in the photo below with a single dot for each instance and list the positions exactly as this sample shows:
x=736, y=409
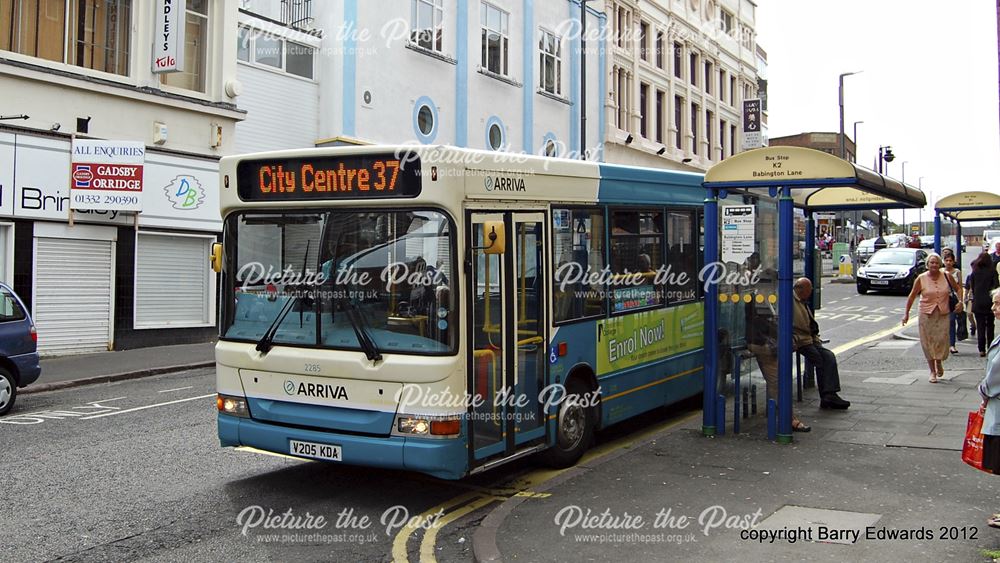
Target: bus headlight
x=427, y=427
x=233, y=406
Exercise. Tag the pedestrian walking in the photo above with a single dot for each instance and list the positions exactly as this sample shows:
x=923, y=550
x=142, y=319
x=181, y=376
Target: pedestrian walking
x=932, y=287
x=956, y=274
x=989, y=390
x=983, y=279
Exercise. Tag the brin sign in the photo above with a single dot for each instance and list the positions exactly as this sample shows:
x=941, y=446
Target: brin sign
x=168, y=36
x=107, y=175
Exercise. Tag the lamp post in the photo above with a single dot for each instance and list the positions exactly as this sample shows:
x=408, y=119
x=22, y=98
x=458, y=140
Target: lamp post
x=856, y=123
x=840, y=92
x=920, y=184
x=905, y=232
x=884, y=156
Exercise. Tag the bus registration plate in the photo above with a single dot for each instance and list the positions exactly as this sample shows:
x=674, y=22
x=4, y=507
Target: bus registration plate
x=317, y=451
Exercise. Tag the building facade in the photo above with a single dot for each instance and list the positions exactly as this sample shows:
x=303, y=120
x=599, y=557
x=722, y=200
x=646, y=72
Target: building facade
x=679, y=72
x=99, y=280
x=664, y=81
x=820, y=141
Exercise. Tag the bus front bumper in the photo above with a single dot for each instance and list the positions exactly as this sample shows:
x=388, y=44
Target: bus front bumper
x=442, y=458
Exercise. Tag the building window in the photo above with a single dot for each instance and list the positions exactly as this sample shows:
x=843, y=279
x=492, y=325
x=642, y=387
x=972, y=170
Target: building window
x=425, y=119
x=695, y=110
x=708, y=77
x=734, y=140
x=643, y=109
x=660, y=103
x=722, y=139
x=644, y=41
x=693, y=71
x=722, y=85
x=495, y=133
x=679, y=122
x=659, y=49
x=550, y=148
x=196, y=23
x=708, y=134
x=678, y=54
x=732, y=90
x=426, y=21
x=726, y=22
x=94, y=34
x=550, y=63
x=272, y=51
x=495, y=39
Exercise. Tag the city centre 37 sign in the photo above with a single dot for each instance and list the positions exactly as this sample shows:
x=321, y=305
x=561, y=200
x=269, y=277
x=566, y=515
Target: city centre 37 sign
x=107, y=175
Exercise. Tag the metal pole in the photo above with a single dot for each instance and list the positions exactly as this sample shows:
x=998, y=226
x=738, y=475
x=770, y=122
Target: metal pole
x=856, y=123
x=583, y=79
x=840, y=95
x=711, y=316
x=785, y=311
x=905, y=232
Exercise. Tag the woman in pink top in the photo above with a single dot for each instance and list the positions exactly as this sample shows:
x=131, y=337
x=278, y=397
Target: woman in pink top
x=933, y=288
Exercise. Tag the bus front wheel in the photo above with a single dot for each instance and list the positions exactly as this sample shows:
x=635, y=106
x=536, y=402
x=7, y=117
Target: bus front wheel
x=574, y=426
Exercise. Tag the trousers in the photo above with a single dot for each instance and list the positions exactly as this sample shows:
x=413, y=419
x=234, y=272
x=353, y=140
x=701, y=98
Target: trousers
x=825, y=363
x=985, y=327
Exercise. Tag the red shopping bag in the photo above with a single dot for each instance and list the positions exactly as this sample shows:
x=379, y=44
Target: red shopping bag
x=972, y=449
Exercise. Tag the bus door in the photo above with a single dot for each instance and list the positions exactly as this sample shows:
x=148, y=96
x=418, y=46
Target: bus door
x=507, y=337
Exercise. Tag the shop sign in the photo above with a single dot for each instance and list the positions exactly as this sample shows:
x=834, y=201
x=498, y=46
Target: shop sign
x=106, y=175
x=168, y=36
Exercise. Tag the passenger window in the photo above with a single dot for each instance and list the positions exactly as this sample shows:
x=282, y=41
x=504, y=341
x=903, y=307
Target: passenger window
x=578, y=251
x=10, y=309
x=636, y=257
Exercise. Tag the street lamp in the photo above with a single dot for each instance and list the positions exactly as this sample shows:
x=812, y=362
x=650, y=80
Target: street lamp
x=884, y=155
x=856, y=123
x=904, y=209
x=840, y=91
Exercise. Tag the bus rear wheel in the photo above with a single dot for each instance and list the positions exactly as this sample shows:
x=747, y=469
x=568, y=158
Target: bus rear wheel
x=575, y=425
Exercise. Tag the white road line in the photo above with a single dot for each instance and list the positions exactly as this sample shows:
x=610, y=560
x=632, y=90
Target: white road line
x=108, y=400
x=178, y=389
x=148, y=407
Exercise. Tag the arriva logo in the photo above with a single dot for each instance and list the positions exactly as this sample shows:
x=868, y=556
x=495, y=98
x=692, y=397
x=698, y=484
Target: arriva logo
x=185, y=192
x=504, y=184
x=289, y=387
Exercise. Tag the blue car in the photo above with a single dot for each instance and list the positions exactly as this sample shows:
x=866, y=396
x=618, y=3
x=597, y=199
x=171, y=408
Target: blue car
x=18, y=348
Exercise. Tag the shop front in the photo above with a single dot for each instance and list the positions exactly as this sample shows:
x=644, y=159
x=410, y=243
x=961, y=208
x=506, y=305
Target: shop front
x=100, y=279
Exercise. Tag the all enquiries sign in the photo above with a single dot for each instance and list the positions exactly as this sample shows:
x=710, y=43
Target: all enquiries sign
x=107, y=175
x=168, y=36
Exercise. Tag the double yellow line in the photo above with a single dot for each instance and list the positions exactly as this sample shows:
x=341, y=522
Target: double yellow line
x=464, y=504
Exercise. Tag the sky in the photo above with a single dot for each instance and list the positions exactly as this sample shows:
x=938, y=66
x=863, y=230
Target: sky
x=927, y=88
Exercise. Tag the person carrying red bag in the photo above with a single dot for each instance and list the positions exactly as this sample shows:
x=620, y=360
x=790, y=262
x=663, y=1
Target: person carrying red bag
x=989, y=389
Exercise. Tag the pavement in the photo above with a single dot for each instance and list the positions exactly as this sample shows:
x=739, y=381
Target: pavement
x=60, y=372
x=889, y=469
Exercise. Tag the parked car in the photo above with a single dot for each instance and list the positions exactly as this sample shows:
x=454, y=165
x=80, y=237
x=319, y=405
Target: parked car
x=926, y=241
x=990, y=239
x=18, y=348
x=865, y=249
x=892, y=269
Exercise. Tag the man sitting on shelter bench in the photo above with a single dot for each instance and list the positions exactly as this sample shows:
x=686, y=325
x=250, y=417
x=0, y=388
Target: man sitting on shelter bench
x=805, y=339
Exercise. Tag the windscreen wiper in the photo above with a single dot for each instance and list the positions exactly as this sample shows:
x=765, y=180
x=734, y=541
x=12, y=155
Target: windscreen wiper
x=368, y=345
x=265, y=343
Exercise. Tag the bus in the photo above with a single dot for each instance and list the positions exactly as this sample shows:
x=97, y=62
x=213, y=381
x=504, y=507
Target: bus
x=446, y=310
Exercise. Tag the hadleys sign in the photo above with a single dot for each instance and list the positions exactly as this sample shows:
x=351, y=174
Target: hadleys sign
x=107, y=175
x=168, y=36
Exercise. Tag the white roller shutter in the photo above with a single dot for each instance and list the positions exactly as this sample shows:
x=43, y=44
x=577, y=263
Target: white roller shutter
x=73, y=294
x=172, y=281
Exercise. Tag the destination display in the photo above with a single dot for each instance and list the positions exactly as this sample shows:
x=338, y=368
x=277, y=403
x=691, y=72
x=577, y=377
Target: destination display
x=327, y=178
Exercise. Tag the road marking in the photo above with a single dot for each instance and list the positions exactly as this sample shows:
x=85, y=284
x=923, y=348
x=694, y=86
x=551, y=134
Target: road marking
x=865, y=340
x=148, y=407
x=39, y=417
x=178, y=389
x=461, y=505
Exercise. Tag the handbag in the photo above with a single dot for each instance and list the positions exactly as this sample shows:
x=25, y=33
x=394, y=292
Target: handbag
x=962, y=328
x=972, y=448
x=952, y=299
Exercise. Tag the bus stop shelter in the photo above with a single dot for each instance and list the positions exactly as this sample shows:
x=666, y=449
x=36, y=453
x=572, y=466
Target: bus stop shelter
x=814, y=181
x=960, y=207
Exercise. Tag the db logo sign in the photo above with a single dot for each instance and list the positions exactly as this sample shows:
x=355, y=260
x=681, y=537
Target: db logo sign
x=82, y=176
x=185, y=192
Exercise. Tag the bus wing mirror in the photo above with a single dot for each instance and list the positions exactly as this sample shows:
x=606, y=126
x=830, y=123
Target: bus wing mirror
x=216, y=257
x=495, y=240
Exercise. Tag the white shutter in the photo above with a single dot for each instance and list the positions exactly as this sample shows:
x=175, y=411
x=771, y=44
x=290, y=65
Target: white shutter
x=171, y=281
x=73, y=295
